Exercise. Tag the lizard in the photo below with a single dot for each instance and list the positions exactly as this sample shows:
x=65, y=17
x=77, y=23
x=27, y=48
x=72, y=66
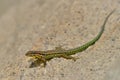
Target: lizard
x=58, y=52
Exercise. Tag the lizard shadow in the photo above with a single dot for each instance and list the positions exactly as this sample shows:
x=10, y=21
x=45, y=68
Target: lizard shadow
x=35, y=63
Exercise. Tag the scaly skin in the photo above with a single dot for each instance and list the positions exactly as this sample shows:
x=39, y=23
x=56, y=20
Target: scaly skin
x=44, y=56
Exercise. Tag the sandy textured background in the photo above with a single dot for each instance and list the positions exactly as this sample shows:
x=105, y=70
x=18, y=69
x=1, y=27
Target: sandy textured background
x=44, y=24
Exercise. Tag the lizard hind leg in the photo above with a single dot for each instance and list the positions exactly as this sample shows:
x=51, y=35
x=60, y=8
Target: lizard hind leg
x=69, y=57
x=59, y=48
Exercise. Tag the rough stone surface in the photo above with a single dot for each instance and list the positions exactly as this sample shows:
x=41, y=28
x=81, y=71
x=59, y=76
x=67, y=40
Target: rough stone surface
x=45, y=24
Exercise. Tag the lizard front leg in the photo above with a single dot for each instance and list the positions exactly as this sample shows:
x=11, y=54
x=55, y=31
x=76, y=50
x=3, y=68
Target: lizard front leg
x=41, y=59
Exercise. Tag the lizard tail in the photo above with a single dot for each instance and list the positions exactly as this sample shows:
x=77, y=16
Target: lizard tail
x=85, y=46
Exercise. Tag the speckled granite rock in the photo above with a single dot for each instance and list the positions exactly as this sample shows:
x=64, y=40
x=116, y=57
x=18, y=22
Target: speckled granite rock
x=44, y=24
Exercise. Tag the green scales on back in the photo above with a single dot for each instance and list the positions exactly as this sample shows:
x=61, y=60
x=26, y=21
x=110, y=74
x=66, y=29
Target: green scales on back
x=44, y=56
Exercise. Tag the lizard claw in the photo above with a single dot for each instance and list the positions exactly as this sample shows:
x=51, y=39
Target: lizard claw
x=74, y=58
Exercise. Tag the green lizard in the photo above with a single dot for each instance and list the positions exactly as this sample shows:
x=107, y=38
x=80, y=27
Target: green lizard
x=44, y=56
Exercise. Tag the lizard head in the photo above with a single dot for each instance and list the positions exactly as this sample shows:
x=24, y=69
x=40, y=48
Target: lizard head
x=34, y=54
